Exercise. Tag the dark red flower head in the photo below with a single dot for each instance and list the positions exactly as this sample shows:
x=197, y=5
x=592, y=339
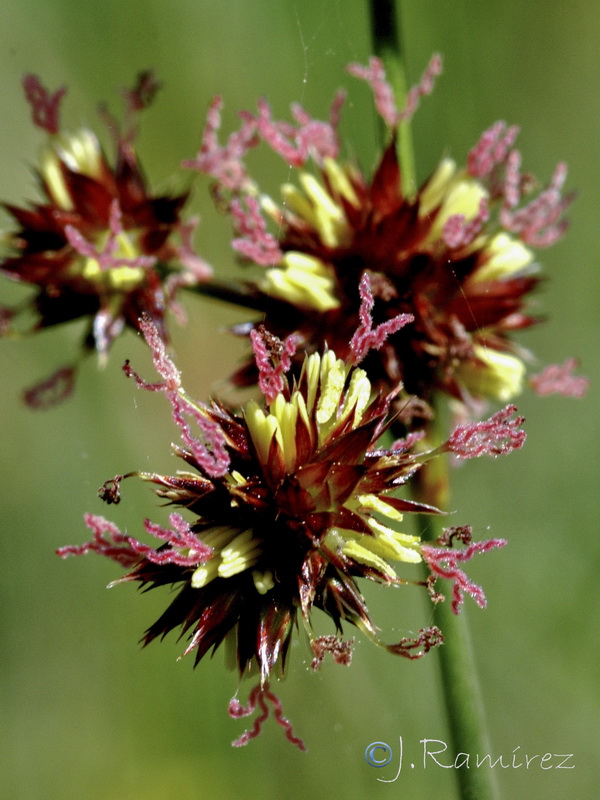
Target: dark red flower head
x=292, y=501
x=456, y=254
x=100, y=245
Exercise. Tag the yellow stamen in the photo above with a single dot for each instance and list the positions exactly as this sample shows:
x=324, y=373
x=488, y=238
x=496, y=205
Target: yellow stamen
x=80, y=152
x=327, y=217
x=359, y=553
x=494, y=374
x=357, y=396
x=242, y=553
x=374, y=503
x=339, y=180
x=506, y=257
x=205, y=573
x=263, y=581
x=262, y=428
x=302, y=280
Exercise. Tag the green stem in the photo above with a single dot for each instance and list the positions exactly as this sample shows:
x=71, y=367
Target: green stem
x=462, y=695
x=459, y=675
x=387, y=42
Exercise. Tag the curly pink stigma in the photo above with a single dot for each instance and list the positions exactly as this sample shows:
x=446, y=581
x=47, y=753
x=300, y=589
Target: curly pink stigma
x=224, y=162
x=374, y=75
x=340, y=650
x=366, y=337
x=106, y=257
x=210, y=451
x=184, y=548
x=559, y=379
x=254, y=242
x=417, y=647
x=273, y=359
x=496, y=436
x=444, y=563
x=258, y=696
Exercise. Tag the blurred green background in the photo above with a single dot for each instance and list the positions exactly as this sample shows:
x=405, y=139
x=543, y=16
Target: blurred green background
x=85, y=712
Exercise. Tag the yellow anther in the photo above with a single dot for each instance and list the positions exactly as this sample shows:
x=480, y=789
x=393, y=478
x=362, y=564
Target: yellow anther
x=374, y=503
x=80, y=152
x=333, y=378
x=498, y=375
x=262, y=428
x=339, y=180
x=263, y=581
x=302, y=280
x=357, y=396
x=359, y=553
x=505, y=257
x=205, y=573
x=437, y=187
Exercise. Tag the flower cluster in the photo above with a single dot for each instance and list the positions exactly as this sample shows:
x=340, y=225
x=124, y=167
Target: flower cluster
x=376, y=298
x=293, y=502
x=457, y=254
x=100, y=245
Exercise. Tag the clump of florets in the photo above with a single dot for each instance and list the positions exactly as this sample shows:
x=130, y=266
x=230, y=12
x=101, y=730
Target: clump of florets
x=293, y=501
x=456, y=255
x=100, y=245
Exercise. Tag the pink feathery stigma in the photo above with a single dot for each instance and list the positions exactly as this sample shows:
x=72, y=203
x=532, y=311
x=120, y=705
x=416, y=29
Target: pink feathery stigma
x=374, y=75
x=45, y=106
x=491, y=149
x=282, y=137
x=210, y=453
x=409, y=441
x=366, y=337
x=339, y=649
x=127, y=551
x=116, y=547
x=163, y=363
x=224, y=162
x=496, y=436
x=255, y=242
x=52, y=391
x=106, y=257
x=559, y=379
x=423, y=88
x=258, y=696
x=180, y=537
x=273, y=359
x=540, y=222
x=457, y=232
x=316, y=138
x=512, y=180
x=443, y=563
x=417, y=647
x=309, y=138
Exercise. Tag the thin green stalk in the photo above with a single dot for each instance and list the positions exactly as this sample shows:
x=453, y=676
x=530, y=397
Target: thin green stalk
x=462, y=695
x=387, y=42
x=459, y=676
